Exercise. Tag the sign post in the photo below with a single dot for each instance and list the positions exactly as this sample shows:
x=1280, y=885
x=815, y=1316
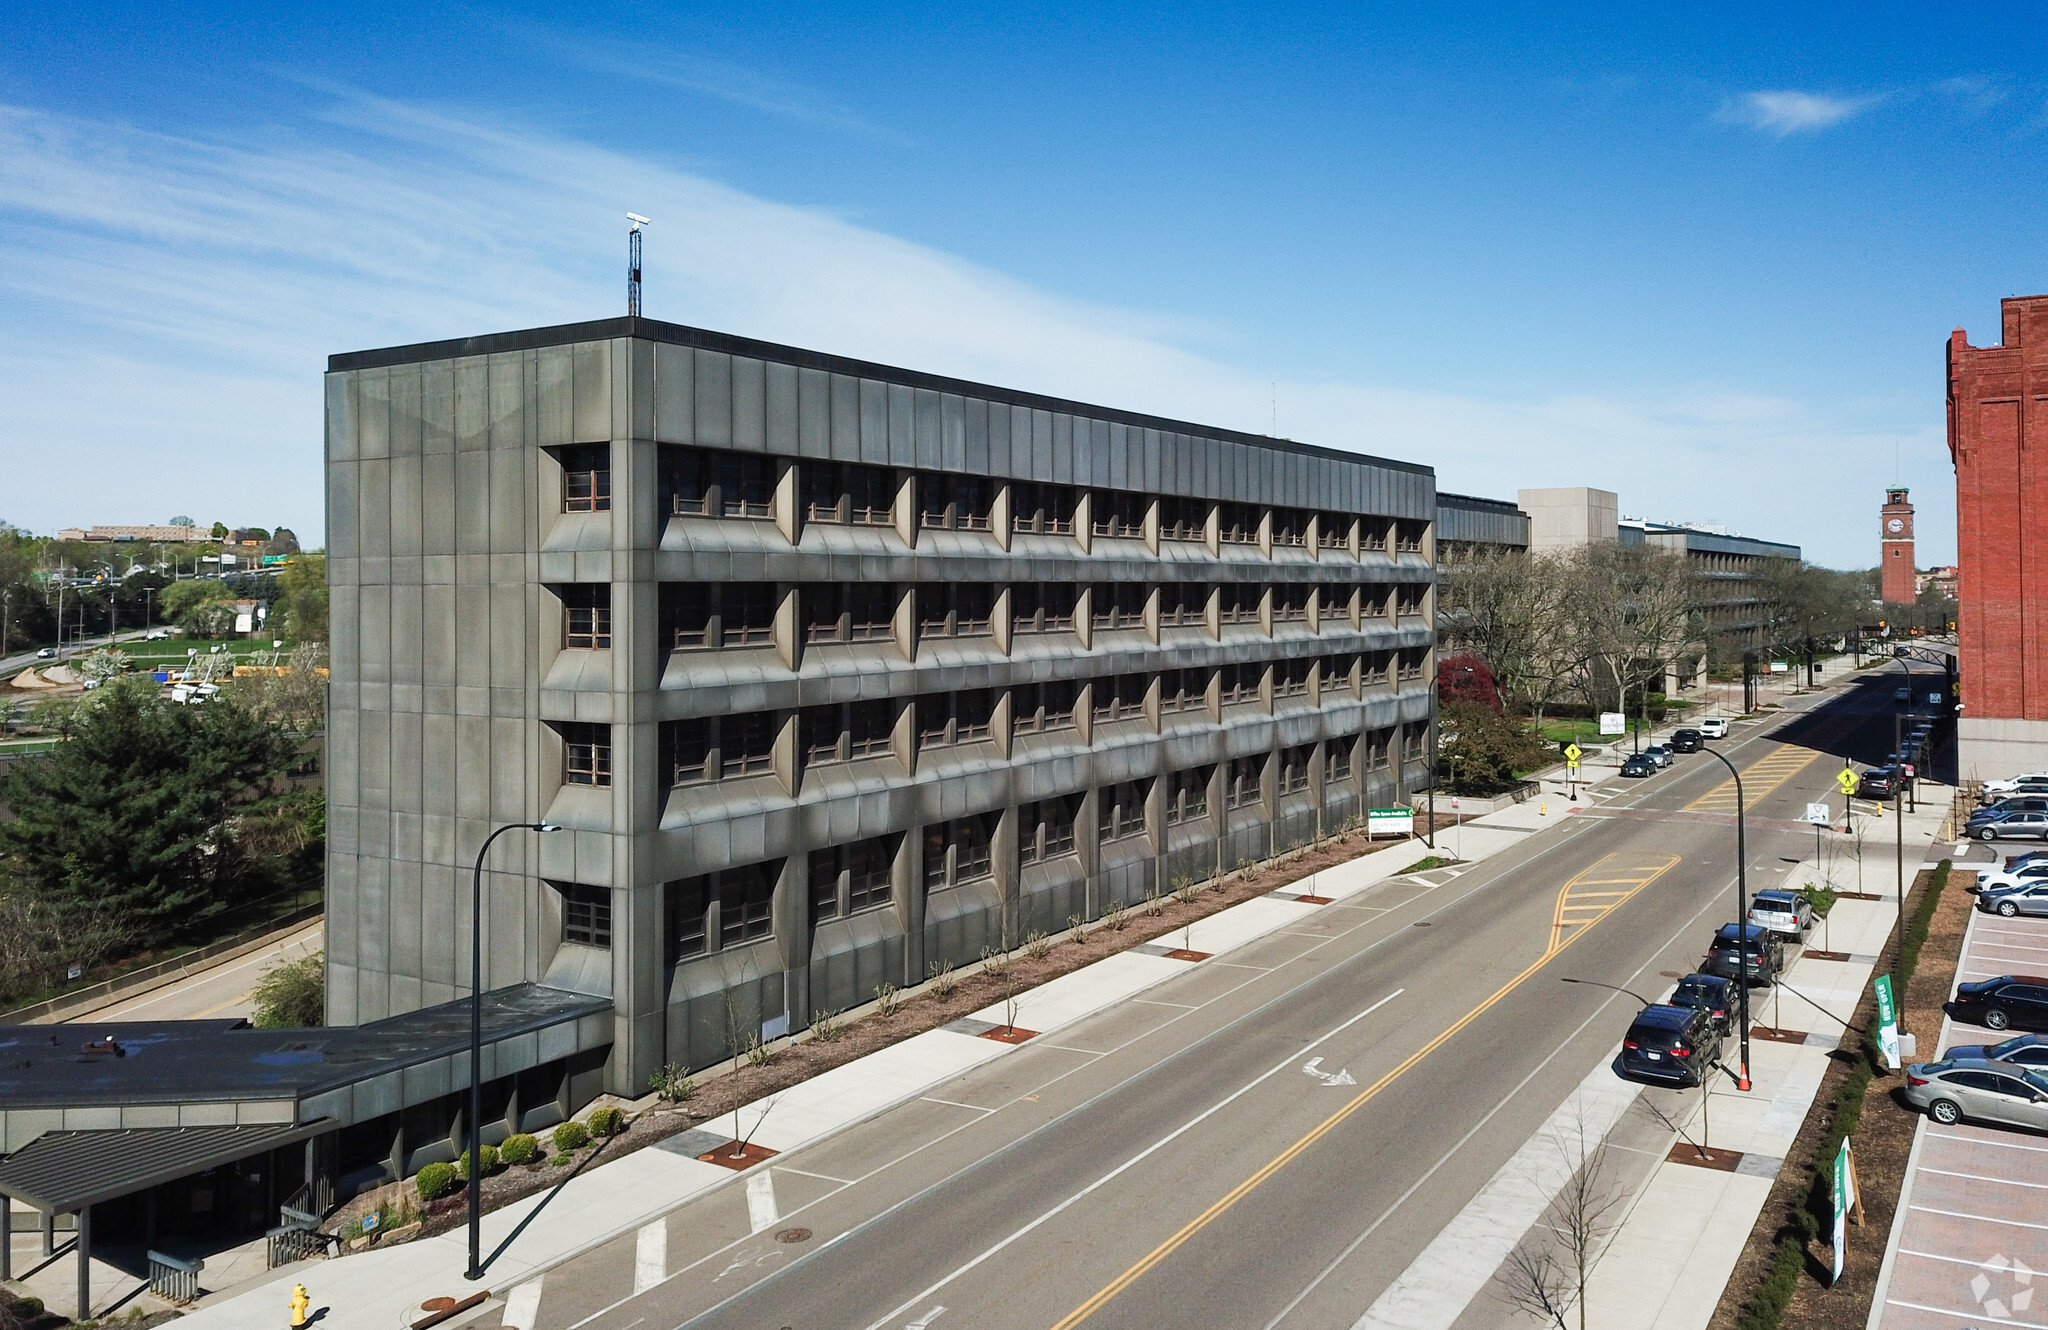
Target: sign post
x=1571, y=767
x=1846, y=781
x=1848, y=1203
x=1389, y=822
x=1887, y=1022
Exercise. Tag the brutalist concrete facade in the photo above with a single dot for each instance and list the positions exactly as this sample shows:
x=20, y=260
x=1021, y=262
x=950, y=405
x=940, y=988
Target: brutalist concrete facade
x=833, y=673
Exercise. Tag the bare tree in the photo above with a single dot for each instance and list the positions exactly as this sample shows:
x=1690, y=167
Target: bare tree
x=1633, y=608
x=1506, y=608
x=1547, y=1273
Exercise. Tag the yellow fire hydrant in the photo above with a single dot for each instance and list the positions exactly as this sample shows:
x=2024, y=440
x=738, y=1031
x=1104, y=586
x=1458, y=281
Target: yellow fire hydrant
x=300, y=1302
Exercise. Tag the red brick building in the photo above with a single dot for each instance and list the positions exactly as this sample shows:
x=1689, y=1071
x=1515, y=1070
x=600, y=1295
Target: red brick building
x=1896, y=559
x=1998, y=439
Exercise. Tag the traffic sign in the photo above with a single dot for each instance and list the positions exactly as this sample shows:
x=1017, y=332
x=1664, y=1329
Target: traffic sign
x=1572, y=755
x=1847, y=780
x=1820, y=815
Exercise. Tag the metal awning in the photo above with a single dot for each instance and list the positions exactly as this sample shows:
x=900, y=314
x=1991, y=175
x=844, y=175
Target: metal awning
x=61, y=1172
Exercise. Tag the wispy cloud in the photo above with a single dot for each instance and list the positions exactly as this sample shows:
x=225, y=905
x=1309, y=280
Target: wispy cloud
x=1787, y=112
x=167, y=303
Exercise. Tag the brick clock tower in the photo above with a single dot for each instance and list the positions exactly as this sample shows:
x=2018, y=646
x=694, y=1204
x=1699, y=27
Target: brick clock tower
x=1897, y=518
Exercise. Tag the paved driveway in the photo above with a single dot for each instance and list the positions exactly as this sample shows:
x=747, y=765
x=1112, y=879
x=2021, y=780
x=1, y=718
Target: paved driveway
x=1973, y=1226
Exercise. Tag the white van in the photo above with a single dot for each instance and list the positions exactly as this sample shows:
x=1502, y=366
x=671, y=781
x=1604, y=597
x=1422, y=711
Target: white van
x=1714, y=727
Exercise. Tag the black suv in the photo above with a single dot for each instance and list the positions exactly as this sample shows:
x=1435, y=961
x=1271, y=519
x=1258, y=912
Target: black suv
x=1766, y=950
x=2007, y=1002
x=1880, y=783
x=1687, y=741
x=1671, y=1044
x=1711, y=994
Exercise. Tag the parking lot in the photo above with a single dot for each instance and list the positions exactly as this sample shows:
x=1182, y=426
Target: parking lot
x=1972, y=1246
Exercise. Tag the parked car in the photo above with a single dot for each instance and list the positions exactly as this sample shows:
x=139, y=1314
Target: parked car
x=1711, y=994
x=2003, y=824
x=2027, y=898
x=1903, y=695
x=1991, y=789
x=1765, y=959
x=2015, y=862
x=2029, y=788
x=2011, y=1000
x=2015, y=803
x=1671, y=1044
x=2022, y=1050
x=1714, y=727
x=1987, y=1091
x=2024, y=871
x=1879, y=783
x=1659, y=754
x=157, y=635
x=47, y=653
x=1687, y=741
x=1638, y=765
x=1786, y=913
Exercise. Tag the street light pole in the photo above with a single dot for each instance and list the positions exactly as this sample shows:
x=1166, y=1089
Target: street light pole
x=476, y=1044
x=1741, y=912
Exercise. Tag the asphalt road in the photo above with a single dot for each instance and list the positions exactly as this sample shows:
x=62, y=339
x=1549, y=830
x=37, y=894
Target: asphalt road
x=222, y=991
x=1169, y=1163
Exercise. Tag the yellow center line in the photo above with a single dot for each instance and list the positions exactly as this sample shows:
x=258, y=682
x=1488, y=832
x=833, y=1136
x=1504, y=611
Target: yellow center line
x=1774, y=771
x=1330, y=1124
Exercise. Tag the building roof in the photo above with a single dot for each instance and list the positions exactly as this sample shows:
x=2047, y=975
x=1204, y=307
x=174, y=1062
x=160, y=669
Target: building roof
x=61, y=1172
x=676, y=334
x=230, y=1061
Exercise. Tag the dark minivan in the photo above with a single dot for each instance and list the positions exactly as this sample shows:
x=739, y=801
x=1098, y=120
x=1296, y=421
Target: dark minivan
x=1711, y=994
x=2011, y=1001
x=1766, y=953
x=1671, y=1044
x=1687, y=741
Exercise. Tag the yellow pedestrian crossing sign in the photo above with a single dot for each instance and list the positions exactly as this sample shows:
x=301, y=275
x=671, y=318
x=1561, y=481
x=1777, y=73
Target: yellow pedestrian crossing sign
x=1572, y=755
x=1847, y=780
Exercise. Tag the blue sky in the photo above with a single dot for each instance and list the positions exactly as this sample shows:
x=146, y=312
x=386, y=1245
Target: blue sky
x=1705, y=260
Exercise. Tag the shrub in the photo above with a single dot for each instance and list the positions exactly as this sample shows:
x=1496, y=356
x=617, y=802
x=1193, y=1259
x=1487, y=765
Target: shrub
x=519, y=1148
x=944, y=982
x=28, y=1309
x=490, y=1161
x=607, y=1121
x=561, y=1161
x=292, y=995
x=435, y=1181
x=571, y=1136
x=828, y=1028
x=1037, y=946
x=672, y=1083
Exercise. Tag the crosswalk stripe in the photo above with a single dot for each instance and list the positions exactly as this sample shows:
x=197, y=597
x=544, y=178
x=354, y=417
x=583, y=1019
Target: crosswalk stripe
x=522, y=1305
x=650, y=1255
x=761, y=1211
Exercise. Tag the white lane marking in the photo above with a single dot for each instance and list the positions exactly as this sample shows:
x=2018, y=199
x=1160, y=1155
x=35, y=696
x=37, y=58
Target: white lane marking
x=924, y=1322
x=1981, y=1219
x=761, y=1211
x=972, y=1108
x=1962, y=1316
x=1979, y=1177
x=1328, y=1078
x=522, y=1305
x=1973, y=1140
x=650, y=1256
x=1130, y=1163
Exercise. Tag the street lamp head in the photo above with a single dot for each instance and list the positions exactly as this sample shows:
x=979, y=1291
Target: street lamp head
x=546, y=826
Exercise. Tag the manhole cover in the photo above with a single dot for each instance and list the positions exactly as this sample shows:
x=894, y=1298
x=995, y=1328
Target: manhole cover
x=793, y=1235
x=1422, y=923
x=438, y=1305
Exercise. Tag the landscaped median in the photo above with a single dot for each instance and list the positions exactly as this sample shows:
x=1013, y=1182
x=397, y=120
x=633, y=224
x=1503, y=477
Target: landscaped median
x=1783, y=1276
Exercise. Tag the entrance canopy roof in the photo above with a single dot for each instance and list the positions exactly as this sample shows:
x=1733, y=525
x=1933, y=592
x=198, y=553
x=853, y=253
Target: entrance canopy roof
x=64, y=1171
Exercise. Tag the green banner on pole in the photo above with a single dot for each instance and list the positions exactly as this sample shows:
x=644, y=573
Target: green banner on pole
x=1887, y=1021
x=1845, y=1199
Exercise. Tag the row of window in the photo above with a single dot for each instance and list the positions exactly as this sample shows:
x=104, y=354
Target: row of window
x=707, y=482
x=717, y=615
x=731, y=907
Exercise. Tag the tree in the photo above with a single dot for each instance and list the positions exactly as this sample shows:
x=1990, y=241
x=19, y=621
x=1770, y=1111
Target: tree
x=136, y=811
x=201, y=606
x=294, y=698
x=1632, y=609
x=292, y=994
x=1509, y=609
x=302, y=586
x=1546, y=1276
x=220, y=531
x=1465, y=678
x=1482, y=749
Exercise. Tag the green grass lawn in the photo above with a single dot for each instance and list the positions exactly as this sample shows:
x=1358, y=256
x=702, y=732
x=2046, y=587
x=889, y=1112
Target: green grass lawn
x=171, y=652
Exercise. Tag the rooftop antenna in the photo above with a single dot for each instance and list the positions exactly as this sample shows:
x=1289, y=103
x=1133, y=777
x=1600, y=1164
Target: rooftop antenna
x=633, y=263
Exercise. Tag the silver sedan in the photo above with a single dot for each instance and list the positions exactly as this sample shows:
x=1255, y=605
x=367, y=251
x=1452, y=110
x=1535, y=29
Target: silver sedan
x=1951, y=1090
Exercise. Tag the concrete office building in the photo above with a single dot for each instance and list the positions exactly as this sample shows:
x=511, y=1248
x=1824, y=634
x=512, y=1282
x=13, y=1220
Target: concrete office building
x=832, y=672
x=1467, y=527
x=1566, y=518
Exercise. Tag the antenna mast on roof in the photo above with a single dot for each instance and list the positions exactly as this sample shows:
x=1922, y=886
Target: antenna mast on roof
x=633, y=263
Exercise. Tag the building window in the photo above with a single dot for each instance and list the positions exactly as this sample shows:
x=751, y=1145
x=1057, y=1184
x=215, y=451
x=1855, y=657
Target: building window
x=704, y=482
x=1119, y=697
x=1046, y=829
x=1240, y=683
x=1378, y=750
x=1238, y=523
x=1408, y=602
x=1290, y=527
x=849, y=612
x=1290, y=678
x=719, y=747
x=1046, y=510
x=953, y=502
x=586, y=914
x=1375, y=602
x=1408, y=536
x=1187, y=795
x=1241, y=781
x=1114, y=605
x=1122, y=809
x=946, y=719
x=852, y=879
x=954, y=609
x=1043, y=607
x=957, y=852
x=847, y=731
x=1040, y=708
x=1338, y=672
x=1410, y=664
x=847, y=493
x=1238, y=603
x=1376, y=667
x=727, y=908
x=711, y=615
x=586, y=753
x=1294, y=768
x=1337, y=760
x=1415, y=743
x=586, y=615
x=1184, y=690
x=1333, y=531
x=1373, y=534
x=1183, y=605
x=1117, y=513
x=1290, y=603
x=587, y=478
x=1183, y=519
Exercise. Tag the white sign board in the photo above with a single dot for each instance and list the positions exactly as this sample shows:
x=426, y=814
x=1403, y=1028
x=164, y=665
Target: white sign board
x=1780, y=667
x=1390, y=822
x=1820, y=815
x=1613, y=722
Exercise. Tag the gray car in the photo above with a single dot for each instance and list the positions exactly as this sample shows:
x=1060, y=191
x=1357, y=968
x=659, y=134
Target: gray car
x=2029, y=899
x=2022, y=1050
x=1951, y=1090
x=1659, y=754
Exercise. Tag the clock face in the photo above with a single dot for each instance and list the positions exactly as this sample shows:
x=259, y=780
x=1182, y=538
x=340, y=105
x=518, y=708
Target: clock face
x=1895, y=525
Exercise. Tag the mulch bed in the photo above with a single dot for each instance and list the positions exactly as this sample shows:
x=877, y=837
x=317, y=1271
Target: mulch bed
x=720, y=1091
x=1882, y=1140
